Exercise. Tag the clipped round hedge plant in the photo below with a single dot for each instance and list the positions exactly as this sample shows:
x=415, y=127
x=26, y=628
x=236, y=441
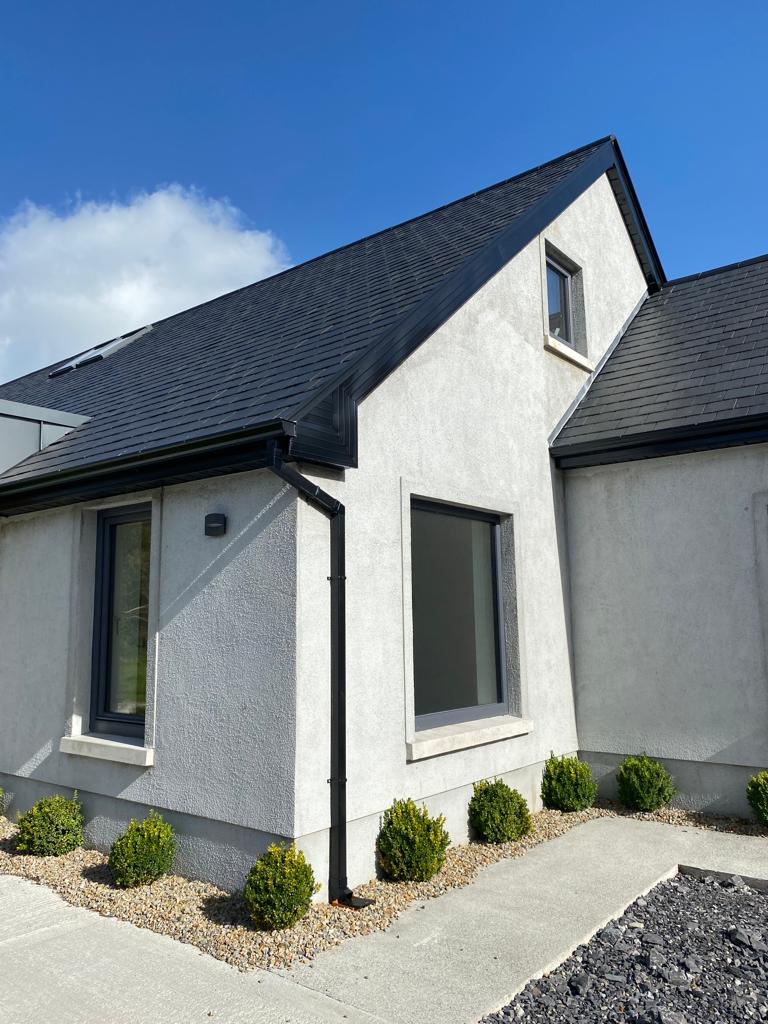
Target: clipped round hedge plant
x=279, y=888
x=644, y=784
x=497, y=813
x=567, y=784
x=143, y=853
x=411, y=845
x=51, y=827
x=757, y=794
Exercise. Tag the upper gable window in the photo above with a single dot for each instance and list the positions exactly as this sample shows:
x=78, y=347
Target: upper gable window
x=559, y=302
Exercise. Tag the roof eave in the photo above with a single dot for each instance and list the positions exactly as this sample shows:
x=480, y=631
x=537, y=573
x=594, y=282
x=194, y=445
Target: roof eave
x=217, y=456
x=655, y=444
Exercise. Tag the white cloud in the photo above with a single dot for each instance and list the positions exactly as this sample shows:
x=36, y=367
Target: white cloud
x=100, y=269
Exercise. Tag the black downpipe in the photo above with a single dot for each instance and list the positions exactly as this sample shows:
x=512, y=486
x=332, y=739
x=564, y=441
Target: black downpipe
x=338, y=885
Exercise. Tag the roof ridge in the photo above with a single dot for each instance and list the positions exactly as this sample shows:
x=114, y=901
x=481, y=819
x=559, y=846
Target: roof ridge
x=716, y=270
x=332, y=252
x=400, y=224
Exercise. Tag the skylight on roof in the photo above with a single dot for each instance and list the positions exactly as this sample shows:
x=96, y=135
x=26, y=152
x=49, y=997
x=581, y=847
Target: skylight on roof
x=93, y=355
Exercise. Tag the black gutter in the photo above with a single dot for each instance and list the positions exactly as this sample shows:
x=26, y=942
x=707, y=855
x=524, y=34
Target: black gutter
x=657, y=444
x=211, y=456
x=338, y=884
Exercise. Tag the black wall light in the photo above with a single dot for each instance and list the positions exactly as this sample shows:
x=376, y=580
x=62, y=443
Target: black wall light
x=215, y=524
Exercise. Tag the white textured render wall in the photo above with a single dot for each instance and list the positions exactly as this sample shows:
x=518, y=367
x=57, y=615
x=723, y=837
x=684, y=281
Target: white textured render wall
x=466, y=417
x=224, y=723
x=669, y=584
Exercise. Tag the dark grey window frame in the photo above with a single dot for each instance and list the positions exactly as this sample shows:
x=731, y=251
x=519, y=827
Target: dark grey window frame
x=567, y=276
x=102, y=719
x=472, y=714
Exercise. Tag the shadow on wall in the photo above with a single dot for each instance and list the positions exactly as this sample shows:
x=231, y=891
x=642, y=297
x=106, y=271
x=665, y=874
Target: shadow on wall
x=263, y=519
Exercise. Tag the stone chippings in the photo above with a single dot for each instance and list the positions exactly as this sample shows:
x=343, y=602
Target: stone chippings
x=692, y=950
x=216, y=922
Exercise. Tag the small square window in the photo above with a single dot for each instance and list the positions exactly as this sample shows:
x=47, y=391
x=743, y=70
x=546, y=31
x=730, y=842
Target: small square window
x=559, y=302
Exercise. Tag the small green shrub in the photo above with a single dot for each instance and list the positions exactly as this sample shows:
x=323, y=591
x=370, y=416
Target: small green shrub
x=644, y=784
x=567, y=784
x=757, y=794
x=2, y=801
x=143, y=853
x=411, y=845
x=52, y=827
x=279, y=888
x=497, y=813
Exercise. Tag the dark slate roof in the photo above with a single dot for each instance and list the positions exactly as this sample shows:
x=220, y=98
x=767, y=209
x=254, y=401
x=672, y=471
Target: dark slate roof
x=692, y=367
x=289, y=351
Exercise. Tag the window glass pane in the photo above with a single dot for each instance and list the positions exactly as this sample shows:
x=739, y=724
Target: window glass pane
x=128, y=626
x=557, y=300
x=455, y=649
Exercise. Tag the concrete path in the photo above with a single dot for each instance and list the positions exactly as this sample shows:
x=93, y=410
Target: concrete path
x=65, y=965
x=460, y=957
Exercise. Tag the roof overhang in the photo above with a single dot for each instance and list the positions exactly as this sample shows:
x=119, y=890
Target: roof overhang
x=660, y=443
x=327, y=425
x=216, y=456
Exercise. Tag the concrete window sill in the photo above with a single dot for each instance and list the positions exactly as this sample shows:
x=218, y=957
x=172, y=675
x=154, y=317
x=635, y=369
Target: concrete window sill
x=449, y=738
x=108, y=750
x=559, y=348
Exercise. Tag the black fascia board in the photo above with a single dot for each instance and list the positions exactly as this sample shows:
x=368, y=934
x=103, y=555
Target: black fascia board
x=217, y=456
x=654, y=271
x=442, y=302
x=654, y=444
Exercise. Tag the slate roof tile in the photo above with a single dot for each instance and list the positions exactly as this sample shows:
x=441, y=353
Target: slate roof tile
x=695, y=353
x=266, y=351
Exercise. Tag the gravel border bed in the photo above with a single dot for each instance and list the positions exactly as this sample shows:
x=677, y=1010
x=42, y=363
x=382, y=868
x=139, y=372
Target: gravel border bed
x=692, y=951
x=215, y=921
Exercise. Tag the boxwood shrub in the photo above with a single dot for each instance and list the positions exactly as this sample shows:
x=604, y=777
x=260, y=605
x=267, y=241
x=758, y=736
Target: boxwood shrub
x=143, y=853
x=52, y=827
x=411, y=845
x=279, y=888
x=644, y=784
x=567, y=784
x=497, y=813
x=757, y=794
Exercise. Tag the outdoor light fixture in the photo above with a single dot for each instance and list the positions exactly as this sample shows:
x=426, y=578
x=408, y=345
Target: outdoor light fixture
x=215, y=524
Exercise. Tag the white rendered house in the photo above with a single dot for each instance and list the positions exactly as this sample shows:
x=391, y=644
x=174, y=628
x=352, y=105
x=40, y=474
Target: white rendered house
x=409, y=515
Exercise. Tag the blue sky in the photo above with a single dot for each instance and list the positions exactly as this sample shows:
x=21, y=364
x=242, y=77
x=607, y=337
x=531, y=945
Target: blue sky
x=322, y=122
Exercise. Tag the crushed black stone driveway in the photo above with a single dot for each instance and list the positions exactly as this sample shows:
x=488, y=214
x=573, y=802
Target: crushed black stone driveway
x=692, y=950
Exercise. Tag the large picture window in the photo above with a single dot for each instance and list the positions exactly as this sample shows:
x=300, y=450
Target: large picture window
x=121, y=621
x=457, y=636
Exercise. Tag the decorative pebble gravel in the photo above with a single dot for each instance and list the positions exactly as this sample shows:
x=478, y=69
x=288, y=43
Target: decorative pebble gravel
x=692, y=950
x=216, y=923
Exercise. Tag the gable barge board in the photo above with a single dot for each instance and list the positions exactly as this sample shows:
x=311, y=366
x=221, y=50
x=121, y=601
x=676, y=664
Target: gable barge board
x=430, y=314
